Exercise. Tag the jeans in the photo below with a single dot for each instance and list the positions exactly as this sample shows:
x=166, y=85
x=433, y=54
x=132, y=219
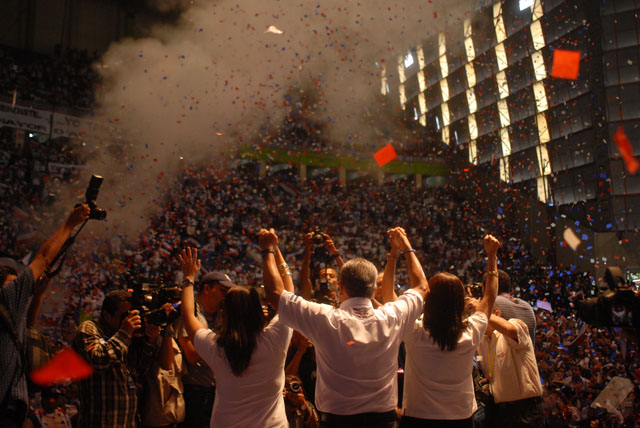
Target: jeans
x=198, y=405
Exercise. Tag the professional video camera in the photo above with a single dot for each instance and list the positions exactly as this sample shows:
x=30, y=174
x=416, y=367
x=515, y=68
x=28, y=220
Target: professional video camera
x=617, y=306
x=148, y=299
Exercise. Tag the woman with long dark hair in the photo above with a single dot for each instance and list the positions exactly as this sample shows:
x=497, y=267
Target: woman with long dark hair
x=438, y=382
x=246, y=356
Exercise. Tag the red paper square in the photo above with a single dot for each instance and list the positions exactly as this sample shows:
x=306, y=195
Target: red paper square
x=385, y=155
x=626, y=151
x=65, y=366
x=566, y=64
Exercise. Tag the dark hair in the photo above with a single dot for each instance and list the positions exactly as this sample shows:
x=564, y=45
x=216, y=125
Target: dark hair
x=5, y=271
x=443, y=308
x=358, y=277
x=504, y=281
x=113, y=299
x=242, y=322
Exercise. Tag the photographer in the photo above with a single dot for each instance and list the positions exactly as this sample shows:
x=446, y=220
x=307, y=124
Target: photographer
x=300, y=412
x=15, y=295
x=109, y=397
x=320, y=249
x=163, y=401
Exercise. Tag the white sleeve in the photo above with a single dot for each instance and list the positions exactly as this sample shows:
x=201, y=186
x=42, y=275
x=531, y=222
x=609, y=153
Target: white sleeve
x=204, y=340
x=524, y=340
x=407, y=308
x=478, y=323
x=278, y=333
x=302, y=315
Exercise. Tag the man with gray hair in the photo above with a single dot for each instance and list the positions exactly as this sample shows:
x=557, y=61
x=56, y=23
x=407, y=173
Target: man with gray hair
x=356, y=345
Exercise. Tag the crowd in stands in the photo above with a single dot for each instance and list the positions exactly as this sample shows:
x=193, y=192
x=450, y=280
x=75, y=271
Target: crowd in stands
x=60, y=80
x=219, y=213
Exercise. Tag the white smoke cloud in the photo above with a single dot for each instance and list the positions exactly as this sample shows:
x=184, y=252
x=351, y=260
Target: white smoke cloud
x=196, y=89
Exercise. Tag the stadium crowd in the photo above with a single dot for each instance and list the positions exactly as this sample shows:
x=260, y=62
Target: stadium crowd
x=220, y=212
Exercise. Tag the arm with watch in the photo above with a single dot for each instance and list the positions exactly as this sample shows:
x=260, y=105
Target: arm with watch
x=490, y=291
x=190, y=265
x=400, y=244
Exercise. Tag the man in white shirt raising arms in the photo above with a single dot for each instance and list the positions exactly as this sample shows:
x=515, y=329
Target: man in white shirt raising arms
x=356, y=345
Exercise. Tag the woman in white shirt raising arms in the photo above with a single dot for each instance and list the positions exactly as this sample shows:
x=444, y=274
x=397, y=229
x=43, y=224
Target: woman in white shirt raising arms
x=438, y=383
x=246, y=356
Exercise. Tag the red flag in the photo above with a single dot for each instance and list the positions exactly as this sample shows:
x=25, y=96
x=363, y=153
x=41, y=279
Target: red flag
x=566, y=64
x=65, y=366
x=626, y=151
x=385, y=155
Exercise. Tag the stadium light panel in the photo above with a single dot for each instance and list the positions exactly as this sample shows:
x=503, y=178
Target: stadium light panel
x=401, y=74
x=539, y=68
x=503, y=86
x=446, y=118
x=420, y=55
x=501, y=57
x=544, y=165
x=422, y=102
x=537, y=36
x=498, y=22
x=471, y=74
x=505, y=142
x=504, y=170
x=403, y=96
x=503, y=110
x=543, y=130
x=473, y=152
x=471, y=100
x=408, y=60
x=541, y=97
x=445, y=135
x=444, y=89
x=525, y=4
x=473, y=127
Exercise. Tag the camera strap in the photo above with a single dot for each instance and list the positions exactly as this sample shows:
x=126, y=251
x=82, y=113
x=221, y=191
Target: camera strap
x=62, y=255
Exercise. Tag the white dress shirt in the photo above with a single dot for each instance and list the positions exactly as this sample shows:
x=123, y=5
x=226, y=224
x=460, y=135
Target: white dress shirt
x=255, y=398
x=510, y=365
x=356, y=349
x=439, y=384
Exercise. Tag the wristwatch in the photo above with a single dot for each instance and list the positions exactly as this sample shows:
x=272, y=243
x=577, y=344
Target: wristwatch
x=186, y=283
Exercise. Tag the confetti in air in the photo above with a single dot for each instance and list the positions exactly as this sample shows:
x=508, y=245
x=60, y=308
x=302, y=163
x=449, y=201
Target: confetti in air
x=626, y=151
x=385, y=155
x=571, y=238
x=566, y=64
x=273, y=29
x=65, y=366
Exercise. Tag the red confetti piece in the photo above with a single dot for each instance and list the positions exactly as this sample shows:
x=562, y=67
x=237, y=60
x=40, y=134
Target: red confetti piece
x=351, y=342
x=566, y=64
x=65, y=366
x=626, y=151
x=385, y=155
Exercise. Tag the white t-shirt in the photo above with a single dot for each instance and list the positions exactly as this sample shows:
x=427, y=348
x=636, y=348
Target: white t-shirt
x=439, y=384
x=356, y=349
x=254, y=399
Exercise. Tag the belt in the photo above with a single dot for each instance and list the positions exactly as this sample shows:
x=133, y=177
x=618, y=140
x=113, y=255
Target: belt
x=358, y=417
x=524, y=401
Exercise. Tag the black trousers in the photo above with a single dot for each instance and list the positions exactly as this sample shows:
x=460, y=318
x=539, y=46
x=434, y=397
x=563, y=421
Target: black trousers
x=361, y=420
x=521, y=413
x=409, y=422
x=198, y=402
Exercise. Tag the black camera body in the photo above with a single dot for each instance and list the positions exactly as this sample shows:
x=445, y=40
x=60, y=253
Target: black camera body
x=475, y=290
x=616, y=306
x=148, y=299
x=90, y=197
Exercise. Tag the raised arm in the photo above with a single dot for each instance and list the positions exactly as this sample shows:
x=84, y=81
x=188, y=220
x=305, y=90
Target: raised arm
x=52, y=246
x=400, y=242
x=305, y=282
x=283, y=270
x=273, y=285
x=190, y=265
x=490, y=292
x=389, y=277
x=504, y=326
x=330, y=246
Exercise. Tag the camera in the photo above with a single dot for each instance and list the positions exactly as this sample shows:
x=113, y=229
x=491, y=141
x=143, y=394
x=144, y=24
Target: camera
x=320, y=254
x=617, y=306
x=294, y=387
x=148, y=299
x=90, y=197
x=475, y=290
